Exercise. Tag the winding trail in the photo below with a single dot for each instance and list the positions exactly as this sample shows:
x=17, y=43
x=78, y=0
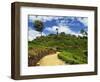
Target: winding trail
x=51, y=60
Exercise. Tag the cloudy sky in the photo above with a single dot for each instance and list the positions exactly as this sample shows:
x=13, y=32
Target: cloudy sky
x=68, y=24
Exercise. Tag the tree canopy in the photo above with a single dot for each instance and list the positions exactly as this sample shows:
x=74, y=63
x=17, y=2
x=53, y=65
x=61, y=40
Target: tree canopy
x=38, y=25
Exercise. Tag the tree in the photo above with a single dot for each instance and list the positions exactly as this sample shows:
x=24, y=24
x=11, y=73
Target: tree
x=38, y=26
x=57, y=31
x=86, y=33
x=83, y=32
x=62, y=33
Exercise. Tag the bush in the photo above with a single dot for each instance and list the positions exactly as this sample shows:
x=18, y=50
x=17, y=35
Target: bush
x=69, y=58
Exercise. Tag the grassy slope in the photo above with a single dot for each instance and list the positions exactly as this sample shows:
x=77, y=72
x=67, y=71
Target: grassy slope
x=72, y=48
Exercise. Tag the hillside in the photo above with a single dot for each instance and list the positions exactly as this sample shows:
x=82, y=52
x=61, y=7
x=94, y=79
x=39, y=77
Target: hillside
x=73, y=50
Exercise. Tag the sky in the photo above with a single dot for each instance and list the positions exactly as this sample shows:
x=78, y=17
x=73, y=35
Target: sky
x=68, y=24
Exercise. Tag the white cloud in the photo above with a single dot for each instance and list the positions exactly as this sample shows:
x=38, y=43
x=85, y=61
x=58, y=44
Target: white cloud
x=83, y=20
x=51, y=29
x=61, y=28
x=65, y=29
x=42, y=18
x=47, y=18
x=32, y=18
x=32, y=34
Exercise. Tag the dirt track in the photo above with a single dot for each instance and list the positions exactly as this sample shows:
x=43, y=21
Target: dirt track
x=51, y=60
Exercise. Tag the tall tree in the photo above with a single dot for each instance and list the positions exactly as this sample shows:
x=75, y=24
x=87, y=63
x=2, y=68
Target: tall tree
x=57, y=31
x=38, y=26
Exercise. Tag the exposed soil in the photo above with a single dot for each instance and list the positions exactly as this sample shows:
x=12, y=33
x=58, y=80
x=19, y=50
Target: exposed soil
x=51, y=60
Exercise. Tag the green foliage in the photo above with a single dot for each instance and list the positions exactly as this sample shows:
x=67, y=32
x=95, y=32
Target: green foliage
x=73, y=50
x=72, y=58
x=83, y=32
x=38, y=25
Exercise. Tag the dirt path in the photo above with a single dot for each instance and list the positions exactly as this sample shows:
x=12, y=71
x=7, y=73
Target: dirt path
x=51, y=60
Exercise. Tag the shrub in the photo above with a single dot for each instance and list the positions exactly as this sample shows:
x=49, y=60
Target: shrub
x=69, y=58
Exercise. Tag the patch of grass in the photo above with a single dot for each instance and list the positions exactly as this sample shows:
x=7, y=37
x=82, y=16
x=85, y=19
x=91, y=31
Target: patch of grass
x=71, y=58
